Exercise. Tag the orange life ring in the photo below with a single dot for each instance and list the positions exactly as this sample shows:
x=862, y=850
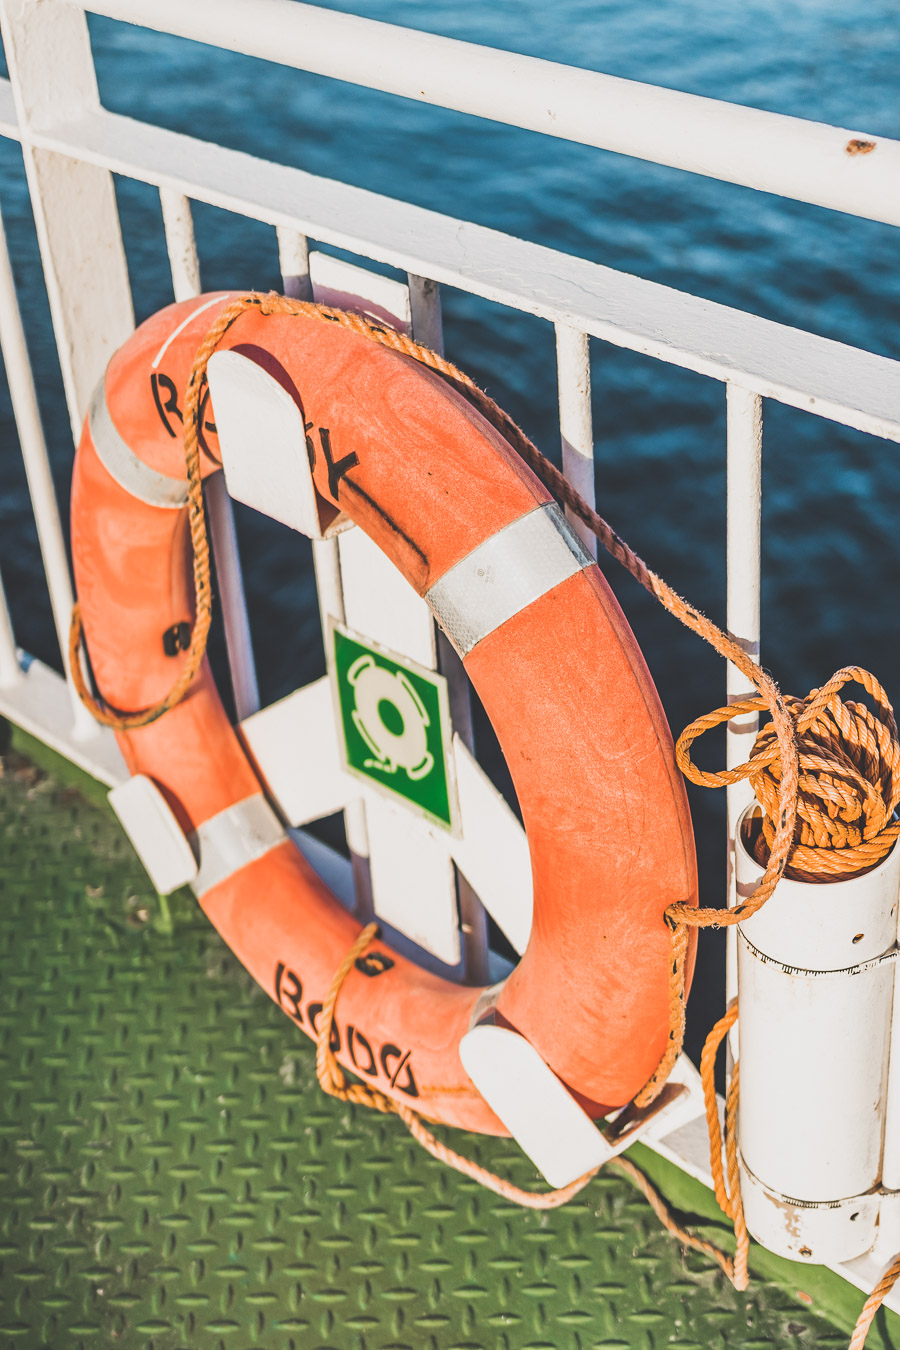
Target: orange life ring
x=561, y=677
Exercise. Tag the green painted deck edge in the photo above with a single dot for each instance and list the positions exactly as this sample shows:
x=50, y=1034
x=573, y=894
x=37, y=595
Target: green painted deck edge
x=44, y=757
x=816, y=1287
x=55, y=764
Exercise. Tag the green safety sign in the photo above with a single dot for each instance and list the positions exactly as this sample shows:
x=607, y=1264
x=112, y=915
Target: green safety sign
x=395, y=724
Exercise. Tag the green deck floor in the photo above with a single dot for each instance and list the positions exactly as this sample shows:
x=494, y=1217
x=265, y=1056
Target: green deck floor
x=171, y=1176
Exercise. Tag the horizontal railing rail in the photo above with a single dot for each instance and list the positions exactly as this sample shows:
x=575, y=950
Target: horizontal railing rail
x=834, y=380
x=829, y=166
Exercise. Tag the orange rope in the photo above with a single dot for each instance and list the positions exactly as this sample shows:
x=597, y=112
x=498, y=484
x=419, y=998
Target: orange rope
x=333, y=1081
x=670, y=1223
x=113, y=717
x=873, y=1303
x=849, y=784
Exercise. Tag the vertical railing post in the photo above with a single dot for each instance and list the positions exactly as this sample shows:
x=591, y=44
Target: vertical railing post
x=744, y=467
x=293, y=262
x=425, y=312
x=37, y=472
x=428, y=329
x=232, y=598
x=51, y=70
x=181, y=246
x=185, y=268
x=10, y=670
x=576, y=428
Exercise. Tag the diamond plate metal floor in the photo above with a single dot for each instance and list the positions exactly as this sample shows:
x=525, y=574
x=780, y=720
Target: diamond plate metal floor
x=171, y=1177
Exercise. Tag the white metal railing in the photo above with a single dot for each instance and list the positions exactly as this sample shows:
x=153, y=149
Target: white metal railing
x=72, y=146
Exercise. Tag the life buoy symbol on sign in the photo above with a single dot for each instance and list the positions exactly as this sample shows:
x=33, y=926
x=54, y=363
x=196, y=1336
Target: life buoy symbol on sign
x=390, y=717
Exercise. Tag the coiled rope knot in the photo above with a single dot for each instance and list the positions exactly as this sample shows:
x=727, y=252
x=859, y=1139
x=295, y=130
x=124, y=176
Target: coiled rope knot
x=849, y=781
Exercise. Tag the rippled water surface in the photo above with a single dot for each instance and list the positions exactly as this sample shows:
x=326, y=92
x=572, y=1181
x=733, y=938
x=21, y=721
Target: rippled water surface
x=831, y=495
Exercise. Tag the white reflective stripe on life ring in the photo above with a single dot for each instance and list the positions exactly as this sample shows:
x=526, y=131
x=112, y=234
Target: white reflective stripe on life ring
x=505, y=575
x=235, y=837
x=122, y=464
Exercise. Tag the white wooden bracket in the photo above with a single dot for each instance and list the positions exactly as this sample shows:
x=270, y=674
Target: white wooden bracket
x=541, y=1114
x=158, y=839
x=252, y=408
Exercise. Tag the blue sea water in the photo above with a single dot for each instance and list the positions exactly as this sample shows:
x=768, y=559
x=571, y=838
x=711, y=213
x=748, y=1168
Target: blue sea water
x=831, y=495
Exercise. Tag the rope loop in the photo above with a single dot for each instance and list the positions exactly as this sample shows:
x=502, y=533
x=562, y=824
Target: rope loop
x=848, y=784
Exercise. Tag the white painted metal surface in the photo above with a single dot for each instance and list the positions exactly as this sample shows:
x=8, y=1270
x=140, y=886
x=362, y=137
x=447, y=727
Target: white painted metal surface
x=406, y=858
x=806, y=161
x=158, y=839
x=815, y=974
x=38, y=473
x=818, y=1234
x=413, y=882
x=70, y=145
x=742, y=551
x=230, y=588
x=51, y=69
x=41, y=704
x=425, y=312
x=576, y=425
x=815, y=374
x=343, y=285
x=294, y=749
x=10, y=670
x=492, y=850
x=824, y=927
x=178, y=223
x=293, y=262
x=541, y=1115
x=544, y=1118
x=380, y=603
x=890, y=1173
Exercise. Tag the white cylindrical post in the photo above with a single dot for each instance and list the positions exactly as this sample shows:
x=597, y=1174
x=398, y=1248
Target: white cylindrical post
x=37, y=470
x=815, y=970
x=742, y=551
x=576, y=427
x=891, y=1168
x=293, y=263
x=10, y=670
